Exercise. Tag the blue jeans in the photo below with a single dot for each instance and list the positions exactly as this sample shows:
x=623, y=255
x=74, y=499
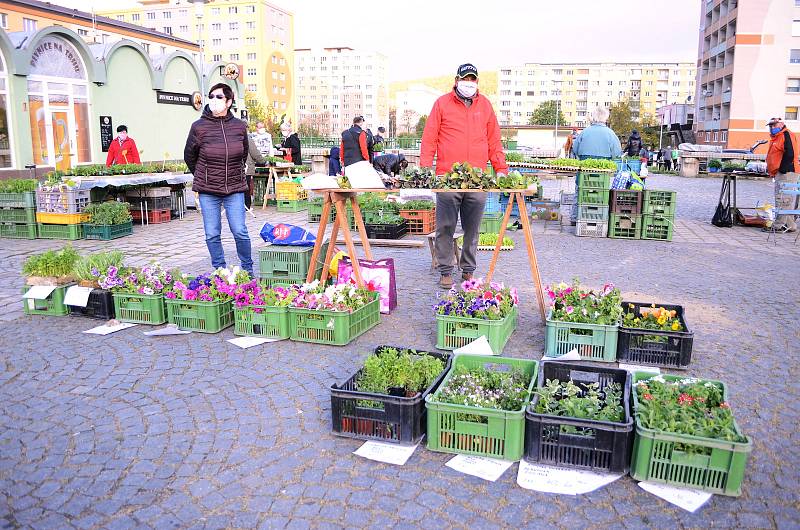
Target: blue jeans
x=212, y=224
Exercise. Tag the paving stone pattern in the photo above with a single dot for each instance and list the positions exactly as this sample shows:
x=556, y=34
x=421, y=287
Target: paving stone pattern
x=129, y=431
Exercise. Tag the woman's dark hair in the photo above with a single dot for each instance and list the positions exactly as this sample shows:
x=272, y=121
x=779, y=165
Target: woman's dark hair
x=122, y=128
x=226, y=90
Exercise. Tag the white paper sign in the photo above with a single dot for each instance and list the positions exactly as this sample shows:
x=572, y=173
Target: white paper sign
x=319, y=181
x=637, y=368
x=363, y=175
x=106, y=329
x=39, y=292
x=386, y=453
x=479, y=466
x=571, y=355
x=688, y=499
x=479, y=346
x=247, y=342
x=566, y=481
x=77, y=296
x=169, y=329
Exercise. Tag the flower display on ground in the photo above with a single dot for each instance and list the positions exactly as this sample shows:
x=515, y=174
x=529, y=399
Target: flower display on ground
x=584, y=401
x=478, y=387
x=220, y=285
x=477, y=300
x=575, y=303
x=653, y=317
x=343, y=297
x=150, y=279
x=250, y=295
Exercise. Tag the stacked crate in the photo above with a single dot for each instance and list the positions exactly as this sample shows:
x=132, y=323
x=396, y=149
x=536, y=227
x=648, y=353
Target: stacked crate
x=18, y=215
x=151, y=205
x=291, y=196
x=492, y=217
x=592, y=210
x=626, y=214
x=658, y=219
x=286, y=265
x=314, y=206
x=59, y=213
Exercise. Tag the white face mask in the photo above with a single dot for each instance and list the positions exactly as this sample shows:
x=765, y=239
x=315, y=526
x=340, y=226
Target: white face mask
x=467, y=88
x=262, y=130
x=216, y=105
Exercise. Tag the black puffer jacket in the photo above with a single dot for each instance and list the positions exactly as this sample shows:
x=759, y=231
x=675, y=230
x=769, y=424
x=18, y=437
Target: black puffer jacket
x=215, y=152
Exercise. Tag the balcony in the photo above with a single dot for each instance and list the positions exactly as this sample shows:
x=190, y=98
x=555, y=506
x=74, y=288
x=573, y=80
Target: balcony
x=726, y=97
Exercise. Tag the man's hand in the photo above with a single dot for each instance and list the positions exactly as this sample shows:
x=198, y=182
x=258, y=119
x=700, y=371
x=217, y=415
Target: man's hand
x=500, y=174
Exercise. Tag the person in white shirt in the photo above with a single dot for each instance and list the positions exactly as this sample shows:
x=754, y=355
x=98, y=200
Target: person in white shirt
x=263, y=139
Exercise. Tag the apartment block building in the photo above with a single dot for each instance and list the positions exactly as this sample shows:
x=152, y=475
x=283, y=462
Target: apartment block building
x=580, y=87
x=748, y=69
x=253, y=34
x=336, y=84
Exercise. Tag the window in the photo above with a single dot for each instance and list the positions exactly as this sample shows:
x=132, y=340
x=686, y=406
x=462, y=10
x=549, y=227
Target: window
x=530, y=93
x=793, y=84
x=274, y=60
x=182, y=12
x=249, y=9
x=282, y=76
x=795, y=28
x=716, y=136
x=216, y=26
x=251, y=71
x=146, y=47
x=794, y=56
x=233, y=10
x=611, y=83
x=250, y=41
x=234, y=41
x=251, y=25
x=217, y=57
x=163, y=50
x=283, y=61
x=234, y=57
x=251, y=56
x=82, y=32
x=790, y=113
x=215, y=11
x=517, y=93
x=233, y=26
x=167, y=14
x=168, y=30
x=283, y=92
x=676, y=83
x=184, y=29
x=723, y=136
x=151, y=15
x=121, y=18
x=274, y=75
x=135, y=17
x=28, y=24
x=505, y=104
x=216, y=42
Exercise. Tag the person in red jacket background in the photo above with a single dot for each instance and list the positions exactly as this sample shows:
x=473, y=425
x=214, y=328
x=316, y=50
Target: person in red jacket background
x=122, y=149
x=461, y=127
x=782, y=166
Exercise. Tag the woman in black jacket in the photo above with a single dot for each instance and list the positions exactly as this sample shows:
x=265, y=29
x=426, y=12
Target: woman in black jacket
x=291, y=141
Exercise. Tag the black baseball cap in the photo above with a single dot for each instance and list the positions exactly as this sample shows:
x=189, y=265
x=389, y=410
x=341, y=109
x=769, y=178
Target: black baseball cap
x=466, y=69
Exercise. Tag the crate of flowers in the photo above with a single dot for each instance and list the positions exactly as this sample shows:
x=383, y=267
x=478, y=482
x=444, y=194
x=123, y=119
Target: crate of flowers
x=204, y=303
x=52, y=270
x=580, y=416
x=479, y=409
x=138, y=293
x=655, y=335
x=88, y=269
x=108, y=220
x=474, y=311
x=686, y=435
x=334, y=314
x=583, y=319
x=262, y=311
x=385, y=399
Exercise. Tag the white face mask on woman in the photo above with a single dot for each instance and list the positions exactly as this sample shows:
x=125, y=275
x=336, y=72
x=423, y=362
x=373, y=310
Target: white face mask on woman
x=467, y=89
x=216, y=105
x=262, y=130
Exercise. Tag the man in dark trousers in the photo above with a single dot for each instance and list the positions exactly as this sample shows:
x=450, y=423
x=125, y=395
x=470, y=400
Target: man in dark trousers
x=461, y=127
x=353, y=147
x=782, y=166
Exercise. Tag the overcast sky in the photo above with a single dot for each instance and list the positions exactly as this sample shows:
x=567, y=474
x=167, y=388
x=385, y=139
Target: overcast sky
x=429, y=37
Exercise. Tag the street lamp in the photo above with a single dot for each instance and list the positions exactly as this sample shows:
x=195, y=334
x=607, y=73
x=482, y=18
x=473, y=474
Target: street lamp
x=199, y=6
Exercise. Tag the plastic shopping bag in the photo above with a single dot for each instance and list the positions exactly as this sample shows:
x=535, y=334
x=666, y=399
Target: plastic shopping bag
x=284, y=234
x=378, y=276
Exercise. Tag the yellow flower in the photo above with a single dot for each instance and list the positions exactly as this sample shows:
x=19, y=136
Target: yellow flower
x=662, y=320
x=676, y=326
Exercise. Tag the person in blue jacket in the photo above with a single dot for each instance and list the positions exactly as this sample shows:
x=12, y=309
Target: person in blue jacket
x=334, y=166
x=597, y=140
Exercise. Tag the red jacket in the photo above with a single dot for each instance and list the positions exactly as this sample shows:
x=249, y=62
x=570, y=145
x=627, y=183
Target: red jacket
x=782, y=156
x=115, y=155
x=456, y=133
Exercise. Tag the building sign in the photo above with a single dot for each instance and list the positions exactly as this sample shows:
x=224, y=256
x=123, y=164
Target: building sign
x=56, y=57
x=106, y=132
x=197, y=100
x=243, y=114
x=230, y=71
x=174, y=98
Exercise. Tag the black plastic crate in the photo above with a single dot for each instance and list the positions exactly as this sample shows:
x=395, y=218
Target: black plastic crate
x=397, y=419
x=381, y=231
x=626, y=202
x=670, y=349
x=100, y=306
x=586, y=444
x=150, y=203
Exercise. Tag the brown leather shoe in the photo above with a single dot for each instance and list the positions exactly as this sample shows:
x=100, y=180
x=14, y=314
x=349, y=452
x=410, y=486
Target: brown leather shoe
x=466, y=276
x=446, y=281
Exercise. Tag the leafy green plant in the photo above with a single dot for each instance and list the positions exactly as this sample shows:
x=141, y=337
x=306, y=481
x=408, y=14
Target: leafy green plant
x=478, y=387
x=416, y=178
x=386, y=219
x=91, y=267
x=517, y=181
x=417, y=205
x=583, y=401
x=17, y=185
x=575, y=303
x=109, y=213
x=52, y=263
x=715, y=163
x=398, y=368
x=465, y=177
x=373, y=202
x=514, y=157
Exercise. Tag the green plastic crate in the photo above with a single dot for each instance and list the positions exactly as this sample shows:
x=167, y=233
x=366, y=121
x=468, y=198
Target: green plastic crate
x=490, y=223
x=107, y=232
x=594, y=342
x=658, y=227
x=18, y=215
x=623, y=226
x=18, y=231
x=270, y=323
x=68, y=232
x=592, y=212
x=292, y=206
x=476, y=430
x=715, y=466
x=288, y=262
x=26, y=199
x=196, y=315
x=454, y=332
x=140, y=308
x=593, y=196
x=659, y=202
x=596, y=180
x=315, y=213
x=52, y=306
x=333, y=327
x=260, y=188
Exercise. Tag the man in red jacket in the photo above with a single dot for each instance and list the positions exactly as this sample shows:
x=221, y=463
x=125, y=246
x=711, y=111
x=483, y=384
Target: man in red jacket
x=122, y=149
x=461, y=127
x=782, y=166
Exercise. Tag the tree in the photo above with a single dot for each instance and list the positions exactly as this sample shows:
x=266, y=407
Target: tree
x=545, y=114
x=308, y=128
x=621, y=119
x=649, y=129
x=392, y=122
x=421, y=124
x=255, y=111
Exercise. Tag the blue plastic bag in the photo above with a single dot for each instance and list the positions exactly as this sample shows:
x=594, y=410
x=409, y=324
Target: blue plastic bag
x=284, y=234
x=621, y=180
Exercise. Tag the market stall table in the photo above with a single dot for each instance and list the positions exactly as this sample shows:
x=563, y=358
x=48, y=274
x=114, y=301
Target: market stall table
x=272, y=172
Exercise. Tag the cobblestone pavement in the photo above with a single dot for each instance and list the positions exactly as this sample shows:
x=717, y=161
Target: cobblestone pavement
x=129, y=431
